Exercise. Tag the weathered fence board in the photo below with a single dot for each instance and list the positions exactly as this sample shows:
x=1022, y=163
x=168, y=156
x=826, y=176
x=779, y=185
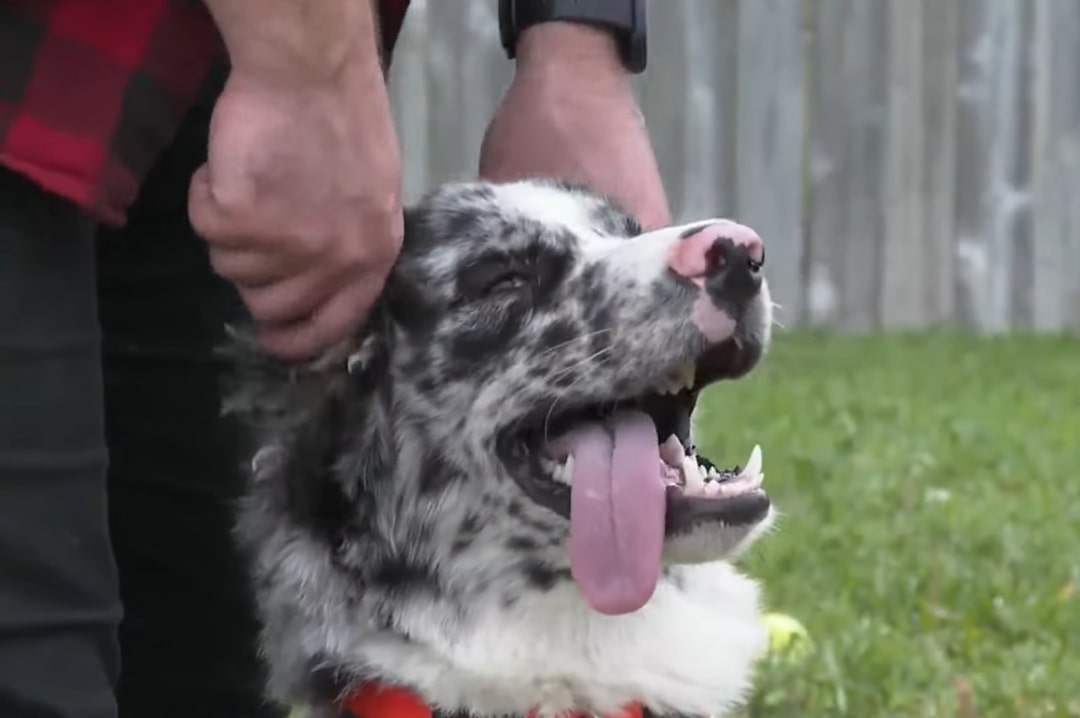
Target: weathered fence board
x=909, y=162
x=1055, y=99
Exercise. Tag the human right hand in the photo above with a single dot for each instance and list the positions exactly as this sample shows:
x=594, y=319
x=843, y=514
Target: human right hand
x=300, y=200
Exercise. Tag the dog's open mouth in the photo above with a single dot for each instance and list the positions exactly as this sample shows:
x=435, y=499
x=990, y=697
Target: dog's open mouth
x=626, y=476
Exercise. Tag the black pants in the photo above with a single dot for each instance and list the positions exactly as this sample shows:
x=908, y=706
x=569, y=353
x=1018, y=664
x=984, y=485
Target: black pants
x=117, y=476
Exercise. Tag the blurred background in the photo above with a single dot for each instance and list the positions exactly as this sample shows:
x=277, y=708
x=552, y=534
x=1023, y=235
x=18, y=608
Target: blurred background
x=914, y=168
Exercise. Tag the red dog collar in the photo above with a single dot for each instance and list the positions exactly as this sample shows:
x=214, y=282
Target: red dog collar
x=376, y=701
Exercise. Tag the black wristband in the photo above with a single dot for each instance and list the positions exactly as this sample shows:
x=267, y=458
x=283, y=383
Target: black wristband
x=626, y=19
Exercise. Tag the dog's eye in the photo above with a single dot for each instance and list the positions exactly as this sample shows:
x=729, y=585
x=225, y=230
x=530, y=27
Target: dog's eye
x=506, y=282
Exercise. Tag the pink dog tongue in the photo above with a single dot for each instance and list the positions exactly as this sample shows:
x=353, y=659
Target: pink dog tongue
x=617, y=507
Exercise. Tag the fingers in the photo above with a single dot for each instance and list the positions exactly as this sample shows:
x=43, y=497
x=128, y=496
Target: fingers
x=291, y=299
x=226, y=219
x=332, y=322
x=208, y=218
x=307, y=281
x=250, y=268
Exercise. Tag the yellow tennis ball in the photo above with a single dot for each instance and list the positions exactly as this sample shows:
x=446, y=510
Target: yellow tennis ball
x=787, y=636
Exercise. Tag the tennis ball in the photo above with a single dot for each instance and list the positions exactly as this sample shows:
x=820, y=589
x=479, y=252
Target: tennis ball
x=787, y=636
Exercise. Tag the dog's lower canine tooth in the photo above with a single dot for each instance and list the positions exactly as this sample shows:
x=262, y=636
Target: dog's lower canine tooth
x=753, y=463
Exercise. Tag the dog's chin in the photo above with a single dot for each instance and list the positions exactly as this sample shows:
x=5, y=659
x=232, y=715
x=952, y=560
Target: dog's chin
x=716, y=541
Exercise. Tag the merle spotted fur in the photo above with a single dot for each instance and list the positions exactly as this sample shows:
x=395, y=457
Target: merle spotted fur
x=388, y=530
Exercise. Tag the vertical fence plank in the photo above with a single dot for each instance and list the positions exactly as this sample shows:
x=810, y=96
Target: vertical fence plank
x=990, y=195
x=409, y=101
x=662, y=94
x=1056, y=164
x=847, y=139
x=484, y=73
x=687, y=97
x=827, y=166
x=769, y=140
x=447, y=35
x=901, y=274
x=940, y=31
x=708, y=33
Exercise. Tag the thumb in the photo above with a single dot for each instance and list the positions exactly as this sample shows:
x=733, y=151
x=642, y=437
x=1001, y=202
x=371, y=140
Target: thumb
x=203, y=211
x=221, y=225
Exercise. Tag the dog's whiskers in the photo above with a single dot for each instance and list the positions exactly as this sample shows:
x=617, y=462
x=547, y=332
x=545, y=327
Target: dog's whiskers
x=600, y=357
x=572, y=340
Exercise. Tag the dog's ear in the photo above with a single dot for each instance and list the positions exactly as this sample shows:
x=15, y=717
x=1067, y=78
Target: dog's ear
x=268, y=395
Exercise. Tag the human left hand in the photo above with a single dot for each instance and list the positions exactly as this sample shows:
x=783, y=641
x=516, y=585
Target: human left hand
x=570, y=114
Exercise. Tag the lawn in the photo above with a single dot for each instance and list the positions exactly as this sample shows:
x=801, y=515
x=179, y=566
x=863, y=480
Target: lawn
x=930, y=537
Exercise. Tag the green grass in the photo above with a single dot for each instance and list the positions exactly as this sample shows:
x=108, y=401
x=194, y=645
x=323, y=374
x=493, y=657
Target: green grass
x=930, y=534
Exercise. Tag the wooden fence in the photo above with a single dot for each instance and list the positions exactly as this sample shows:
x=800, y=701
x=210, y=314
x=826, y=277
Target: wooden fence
x=909, y=162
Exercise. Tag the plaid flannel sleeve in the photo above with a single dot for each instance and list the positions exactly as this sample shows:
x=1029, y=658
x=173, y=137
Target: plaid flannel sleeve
x=91, y=91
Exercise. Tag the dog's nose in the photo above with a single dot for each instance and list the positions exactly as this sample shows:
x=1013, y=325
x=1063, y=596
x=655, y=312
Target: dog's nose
x=726, y=257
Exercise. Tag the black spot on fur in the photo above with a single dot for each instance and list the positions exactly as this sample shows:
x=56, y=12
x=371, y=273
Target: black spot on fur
x=311, y=495
x=488, y=337
x=436, y=474
x=542, y=576
x=557, y=334
x=600, y=319
x=461, y=221
x=470, y=527
x=522, y=543
x=551, y=265
x=427, y=385
x=403, y=575
x=474, y=195
x=406, y=302
x=536, y=524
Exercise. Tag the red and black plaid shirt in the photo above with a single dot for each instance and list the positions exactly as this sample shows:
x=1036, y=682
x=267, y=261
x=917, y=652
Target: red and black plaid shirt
x=91, y=91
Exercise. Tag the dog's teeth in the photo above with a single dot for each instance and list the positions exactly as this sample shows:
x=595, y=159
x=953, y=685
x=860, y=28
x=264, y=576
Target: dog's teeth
x=686, y=375
x=695, y=482
x=676, y=380
x=562, y=472
x=671, y=451
x=753, y=464
x=708, y=473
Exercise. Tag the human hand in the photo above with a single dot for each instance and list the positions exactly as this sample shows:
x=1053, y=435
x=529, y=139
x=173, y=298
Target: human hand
x=570, y=113
x=300, y=202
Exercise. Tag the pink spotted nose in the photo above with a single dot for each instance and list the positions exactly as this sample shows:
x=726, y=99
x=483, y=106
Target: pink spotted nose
x=723, y=257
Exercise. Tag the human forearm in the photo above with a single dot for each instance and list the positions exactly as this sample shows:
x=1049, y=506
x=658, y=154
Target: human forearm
x=571, y=113
x=298, y=41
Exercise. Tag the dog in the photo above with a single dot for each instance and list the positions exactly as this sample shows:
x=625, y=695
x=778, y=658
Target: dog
x=491, y=499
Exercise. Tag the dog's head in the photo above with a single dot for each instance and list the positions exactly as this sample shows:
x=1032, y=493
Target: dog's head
x=517, y=415
x=543, y=350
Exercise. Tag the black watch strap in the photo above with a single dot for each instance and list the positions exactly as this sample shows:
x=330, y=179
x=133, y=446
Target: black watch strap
x=625, y=18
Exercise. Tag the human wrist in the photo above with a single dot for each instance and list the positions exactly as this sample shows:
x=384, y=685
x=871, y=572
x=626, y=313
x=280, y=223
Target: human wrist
x=571, y=52
x=297, y=43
